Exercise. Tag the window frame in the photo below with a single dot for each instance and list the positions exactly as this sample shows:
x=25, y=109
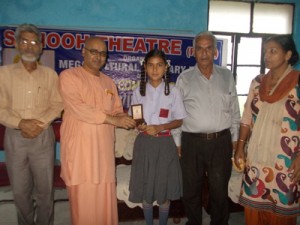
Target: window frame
x=236, y=37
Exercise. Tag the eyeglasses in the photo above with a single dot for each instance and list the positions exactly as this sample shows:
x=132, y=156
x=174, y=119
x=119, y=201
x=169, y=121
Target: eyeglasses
x=96, y=52
x=27, y=42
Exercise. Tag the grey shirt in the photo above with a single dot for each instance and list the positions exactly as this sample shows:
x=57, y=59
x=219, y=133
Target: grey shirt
x=211, y=104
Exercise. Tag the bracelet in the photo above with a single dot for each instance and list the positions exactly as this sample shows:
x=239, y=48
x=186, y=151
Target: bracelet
x=241, y=140
x=244, y=125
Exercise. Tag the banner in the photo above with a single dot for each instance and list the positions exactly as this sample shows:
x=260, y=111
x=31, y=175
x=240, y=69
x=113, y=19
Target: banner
x=62, y=50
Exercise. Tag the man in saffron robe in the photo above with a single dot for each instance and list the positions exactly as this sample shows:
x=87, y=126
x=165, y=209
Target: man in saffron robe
x=92, y=108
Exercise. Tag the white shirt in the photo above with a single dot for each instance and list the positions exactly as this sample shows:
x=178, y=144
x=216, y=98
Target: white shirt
x=211, y=104
x=157, y=107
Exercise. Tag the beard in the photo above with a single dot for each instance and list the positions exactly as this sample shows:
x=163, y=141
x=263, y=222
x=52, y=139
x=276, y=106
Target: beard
x=29, y=58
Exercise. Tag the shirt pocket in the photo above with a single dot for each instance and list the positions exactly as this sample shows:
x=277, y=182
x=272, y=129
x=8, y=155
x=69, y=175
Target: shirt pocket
x=42, y=97
x=108, y=101
x=226, y=102
x=164, y=112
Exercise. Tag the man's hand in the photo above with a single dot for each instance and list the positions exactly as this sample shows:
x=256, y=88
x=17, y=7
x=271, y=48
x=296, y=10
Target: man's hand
x=30, y=128
x=122, y=120
x=142, y=127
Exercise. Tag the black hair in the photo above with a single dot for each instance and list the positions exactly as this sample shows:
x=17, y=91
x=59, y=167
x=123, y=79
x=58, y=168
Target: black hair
x=287, y=43
x=150, y=54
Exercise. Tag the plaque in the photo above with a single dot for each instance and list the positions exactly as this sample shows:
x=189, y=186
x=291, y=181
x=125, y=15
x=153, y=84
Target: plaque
x=137, y=113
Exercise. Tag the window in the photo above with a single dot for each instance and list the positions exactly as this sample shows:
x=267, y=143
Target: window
x=246, y=26
x=223, y=16
x=276, y=19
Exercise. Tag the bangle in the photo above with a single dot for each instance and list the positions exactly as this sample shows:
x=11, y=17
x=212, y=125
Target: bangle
x=244, y=125
x=241, y=140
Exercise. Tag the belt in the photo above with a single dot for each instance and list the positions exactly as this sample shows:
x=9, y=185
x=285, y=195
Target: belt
x=209, y=136
x=165, y=133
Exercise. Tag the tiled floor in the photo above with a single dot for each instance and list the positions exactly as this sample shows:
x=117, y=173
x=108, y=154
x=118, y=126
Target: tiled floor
x=62, y=216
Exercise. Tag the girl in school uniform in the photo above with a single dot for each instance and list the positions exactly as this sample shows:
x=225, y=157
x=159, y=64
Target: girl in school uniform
x=155, y=172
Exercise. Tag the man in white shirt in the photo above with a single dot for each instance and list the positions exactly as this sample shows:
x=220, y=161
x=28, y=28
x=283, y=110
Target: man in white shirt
x=209, y=132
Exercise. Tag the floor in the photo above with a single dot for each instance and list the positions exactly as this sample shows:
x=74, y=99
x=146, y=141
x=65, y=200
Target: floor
x=62, y=217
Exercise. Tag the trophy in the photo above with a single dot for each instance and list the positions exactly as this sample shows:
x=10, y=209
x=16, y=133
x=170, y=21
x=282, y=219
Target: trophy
x=137, y=114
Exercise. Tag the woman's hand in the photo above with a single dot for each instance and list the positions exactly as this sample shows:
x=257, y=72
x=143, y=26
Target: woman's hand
x=239, y=158
x=295, y=170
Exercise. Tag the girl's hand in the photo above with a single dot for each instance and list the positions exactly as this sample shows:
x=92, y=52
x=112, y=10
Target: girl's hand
x=153, y=129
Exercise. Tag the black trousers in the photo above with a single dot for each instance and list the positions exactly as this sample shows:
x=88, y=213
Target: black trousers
x=213, y=157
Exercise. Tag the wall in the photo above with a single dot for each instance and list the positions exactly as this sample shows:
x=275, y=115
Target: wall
x=155, y=16
x=167, y=16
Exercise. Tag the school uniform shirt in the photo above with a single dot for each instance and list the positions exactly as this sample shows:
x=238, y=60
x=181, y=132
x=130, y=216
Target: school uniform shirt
x=157, y=107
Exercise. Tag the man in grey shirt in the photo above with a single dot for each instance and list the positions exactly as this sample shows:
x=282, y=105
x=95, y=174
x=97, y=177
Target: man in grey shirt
x=209, y=132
